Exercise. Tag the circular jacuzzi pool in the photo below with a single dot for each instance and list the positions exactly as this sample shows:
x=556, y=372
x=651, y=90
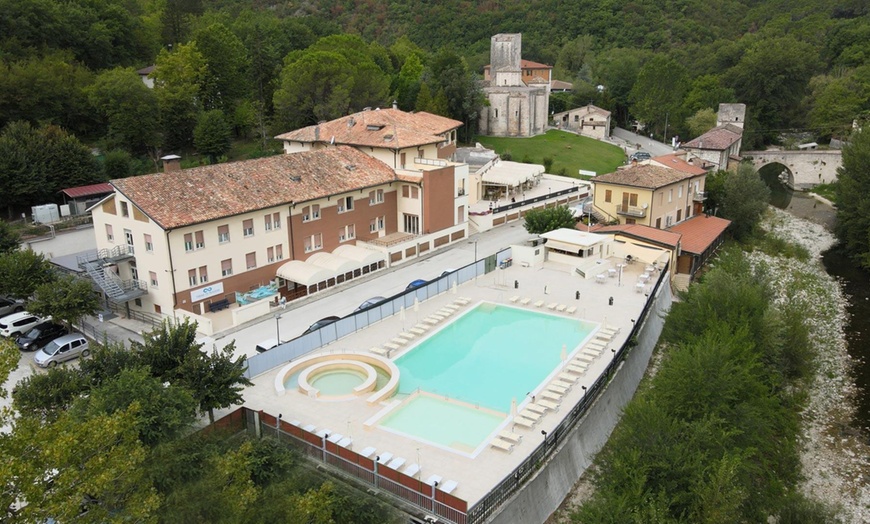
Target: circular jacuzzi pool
x=341, y=376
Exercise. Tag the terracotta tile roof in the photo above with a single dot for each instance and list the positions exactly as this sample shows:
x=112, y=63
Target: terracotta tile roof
x=145, y=71
x=205, y=193
x=699, y=232
x=89, y=190
x=386, y=128
x=717, y=139
x=679, y=163
x=560, y=84
x=525, y=64
x=647, y=176
x=641, y=232
x=589, y=110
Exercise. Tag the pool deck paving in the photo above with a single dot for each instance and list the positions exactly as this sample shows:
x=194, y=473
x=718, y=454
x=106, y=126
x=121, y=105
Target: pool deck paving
x=550, y=283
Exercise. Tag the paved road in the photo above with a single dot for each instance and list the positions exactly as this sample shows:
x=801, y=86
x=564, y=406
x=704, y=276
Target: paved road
x=631, y=140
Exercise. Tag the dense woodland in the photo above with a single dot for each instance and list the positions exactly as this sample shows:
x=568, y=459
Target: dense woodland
x=231, y=74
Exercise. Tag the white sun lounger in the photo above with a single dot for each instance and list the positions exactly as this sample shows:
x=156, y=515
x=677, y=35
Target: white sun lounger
x=577, y=370
x=385, y=457
x=401, y=341
x=592, y=352
x=560, y=308
x=431, y=320
x=551, y=395
x=449, y=486
x=514, y=298
x=557, y=389
x=510, y=436
x=379, y=351
x=444, y=312
x=346, y=442
x=335, y=437
x=539, y=303
x=418, y=331
x=396, y=463
x=529, y=414
x=391, y=346
x=610, y=330
x=525, y=301
x=323, y=432
x=433, y=479
x=586, y=359
x=407, y=336
x=524, y=422
x=412, y=470
x=552, y=406
x=571, y=309
x=537, y=408
x=568, y=377
x=567, y=384
x=502, y=445
x=604, y=336
x=552, y=305
x=367, y=452
x=309, y=428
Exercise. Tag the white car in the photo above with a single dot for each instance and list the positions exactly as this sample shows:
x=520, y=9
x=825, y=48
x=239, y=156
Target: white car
x=17, y=323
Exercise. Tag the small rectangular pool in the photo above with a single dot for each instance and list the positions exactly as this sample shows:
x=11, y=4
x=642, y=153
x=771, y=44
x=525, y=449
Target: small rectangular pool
x=486, y=358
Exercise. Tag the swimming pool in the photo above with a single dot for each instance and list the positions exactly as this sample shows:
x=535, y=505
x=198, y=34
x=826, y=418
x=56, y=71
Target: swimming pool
x=472, y=370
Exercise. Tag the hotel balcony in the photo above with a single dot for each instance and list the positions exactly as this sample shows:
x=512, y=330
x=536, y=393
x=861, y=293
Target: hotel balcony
x=699, y=196
x=631, y=211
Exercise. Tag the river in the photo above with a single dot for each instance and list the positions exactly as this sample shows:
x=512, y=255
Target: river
x=856, y=285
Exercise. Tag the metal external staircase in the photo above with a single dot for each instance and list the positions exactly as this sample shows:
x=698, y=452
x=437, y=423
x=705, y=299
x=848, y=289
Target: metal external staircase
x=94, y=263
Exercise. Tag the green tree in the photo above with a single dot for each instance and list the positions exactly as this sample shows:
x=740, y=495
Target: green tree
x=707, y=92
x=573, y=56
x=22, y=272
x=424, y=99
x=657, y=95
x=117, y=164
x=129, y=108
x=212, y=135
x=47, y=395
x=225, y=56
x=837, y=100
x=177, y=83
x=853, y=199
x=744, y=200
x=10, y=240
x=67, y=299
x=548, y=219
x=216, y=379
x=617, y=70
x=450, y=72
x=314, y=87
x=701, y=122
x=408, y=82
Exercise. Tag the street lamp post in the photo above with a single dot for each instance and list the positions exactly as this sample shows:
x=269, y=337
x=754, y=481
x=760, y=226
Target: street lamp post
x=278, y=327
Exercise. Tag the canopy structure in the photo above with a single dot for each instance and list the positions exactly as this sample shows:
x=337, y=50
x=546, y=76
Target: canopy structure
x=304, y=273
x=572, y=240
x=511, y=174
x=645, y=254
x=363, y=256
x=334, y=263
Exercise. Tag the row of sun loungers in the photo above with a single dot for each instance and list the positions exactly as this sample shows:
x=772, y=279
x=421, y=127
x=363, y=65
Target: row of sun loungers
x=387, y=348
x=412, y=470
x=562, y=308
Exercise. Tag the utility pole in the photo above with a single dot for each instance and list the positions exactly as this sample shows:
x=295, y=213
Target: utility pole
x=666, y=126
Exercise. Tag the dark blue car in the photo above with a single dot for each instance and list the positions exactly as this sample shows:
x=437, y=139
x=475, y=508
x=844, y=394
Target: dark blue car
x=417, y=283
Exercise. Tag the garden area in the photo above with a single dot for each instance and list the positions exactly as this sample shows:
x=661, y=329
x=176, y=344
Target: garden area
x=569, y=152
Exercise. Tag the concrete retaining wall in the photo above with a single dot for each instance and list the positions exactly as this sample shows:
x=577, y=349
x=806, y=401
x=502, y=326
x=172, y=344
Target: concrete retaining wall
x=546, y=491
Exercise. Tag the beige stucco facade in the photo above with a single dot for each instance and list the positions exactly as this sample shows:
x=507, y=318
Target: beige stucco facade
x=659, y=207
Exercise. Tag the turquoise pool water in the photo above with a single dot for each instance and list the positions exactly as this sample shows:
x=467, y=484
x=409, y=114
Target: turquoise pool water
x=436, y=421
x=337, y=381
x=490, y=355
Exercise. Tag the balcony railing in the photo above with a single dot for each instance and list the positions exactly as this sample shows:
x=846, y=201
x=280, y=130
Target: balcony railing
x=632, y=211
x=699, y=196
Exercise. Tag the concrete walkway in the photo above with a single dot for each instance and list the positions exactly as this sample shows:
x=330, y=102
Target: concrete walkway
x=632, y=142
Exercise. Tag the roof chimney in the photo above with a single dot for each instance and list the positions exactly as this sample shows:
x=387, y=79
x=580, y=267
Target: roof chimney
x=395, y=105
x=317, y=132
x=350, y=122
x=171, y=163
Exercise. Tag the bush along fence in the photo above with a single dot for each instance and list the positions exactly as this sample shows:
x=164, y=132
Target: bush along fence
x=430, y=499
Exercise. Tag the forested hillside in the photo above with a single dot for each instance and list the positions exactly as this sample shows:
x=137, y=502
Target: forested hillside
x=230, y=72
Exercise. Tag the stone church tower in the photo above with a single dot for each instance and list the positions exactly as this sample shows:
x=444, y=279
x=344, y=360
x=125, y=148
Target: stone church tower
x=518, y=105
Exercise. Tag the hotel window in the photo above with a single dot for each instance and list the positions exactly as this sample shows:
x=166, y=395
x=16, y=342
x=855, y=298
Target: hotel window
x=267, y=224
x=406, y=191
x=608, y=195
x=223, y=234
x=203, y=274
x=152, y=276
x=276, y=220
x=251, y=260
x=191, y=277
x=248, y=227
x=279, y=252
x=376, y=197
x=415, y=192
x=227, y=267
x=110, y=234
x=347, y=233
x=270, y=254
x=345, y=204
x=680, y=192
x=670, y=195
x=188, y=242
x=313, y=243
x=411, y=222
x=199, y=237
x=125, y=211
x=149, y=245
x=310, y=213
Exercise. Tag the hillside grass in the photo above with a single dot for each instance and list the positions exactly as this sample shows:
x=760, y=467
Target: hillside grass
x=569, y=152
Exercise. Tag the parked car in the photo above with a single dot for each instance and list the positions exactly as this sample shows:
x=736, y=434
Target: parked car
x=417, y=283
x=9, y=306
x=369, y=303
x=39, y=335
x=639, y=156
x=325, y=321
x=16, y=323
x=266, y=345
x=62, y=349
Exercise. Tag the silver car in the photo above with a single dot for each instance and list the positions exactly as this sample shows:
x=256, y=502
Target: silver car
x=62, y=349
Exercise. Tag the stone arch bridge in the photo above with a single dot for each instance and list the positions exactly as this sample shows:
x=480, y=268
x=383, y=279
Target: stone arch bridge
x=804, y=169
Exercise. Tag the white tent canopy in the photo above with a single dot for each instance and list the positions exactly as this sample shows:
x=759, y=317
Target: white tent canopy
x=572, y=239
x=363, y=256
x=336, y=264
x=304, y=273
x=645, y=254
x=511, y=174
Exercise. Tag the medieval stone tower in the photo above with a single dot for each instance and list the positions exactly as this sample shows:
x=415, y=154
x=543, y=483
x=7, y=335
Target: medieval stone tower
x=733, y=114
x=517, y=105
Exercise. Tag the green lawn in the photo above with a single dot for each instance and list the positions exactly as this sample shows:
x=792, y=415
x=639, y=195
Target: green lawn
x=569, y=152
